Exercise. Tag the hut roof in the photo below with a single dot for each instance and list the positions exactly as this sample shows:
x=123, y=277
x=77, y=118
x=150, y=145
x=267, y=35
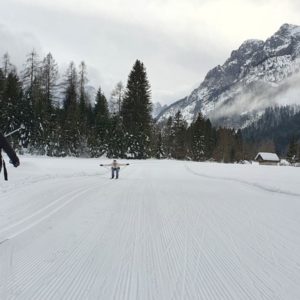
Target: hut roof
x=267, y=156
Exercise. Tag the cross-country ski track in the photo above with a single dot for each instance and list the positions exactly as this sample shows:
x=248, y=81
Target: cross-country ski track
x=164, y=230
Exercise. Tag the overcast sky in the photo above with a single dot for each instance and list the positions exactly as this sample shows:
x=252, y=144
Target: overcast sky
x=178, y=40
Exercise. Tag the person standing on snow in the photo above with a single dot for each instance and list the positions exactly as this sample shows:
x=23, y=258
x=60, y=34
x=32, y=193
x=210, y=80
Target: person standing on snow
x=11, y=154
x=115, y=168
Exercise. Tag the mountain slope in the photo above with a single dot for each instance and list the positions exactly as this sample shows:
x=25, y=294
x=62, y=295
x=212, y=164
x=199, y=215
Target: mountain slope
x=277, y=124
x=256, y=76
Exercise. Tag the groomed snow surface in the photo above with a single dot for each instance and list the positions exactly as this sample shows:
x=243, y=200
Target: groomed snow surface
x=164, y=230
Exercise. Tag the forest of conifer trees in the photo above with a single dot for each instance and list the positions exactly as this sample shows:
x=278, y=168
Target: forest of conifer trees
x=58, y=118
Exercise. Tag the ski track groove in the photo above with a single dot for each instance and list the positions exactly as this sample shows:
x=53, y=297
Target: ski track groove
x=33, y=263
x=15, y=210
x=266, y=260
x=225, y=241
x=185, y=252
x=80, y=251
x=265, y=235
x=251, y=184
x=31, y=216
x=41, y=179
x=191, y=251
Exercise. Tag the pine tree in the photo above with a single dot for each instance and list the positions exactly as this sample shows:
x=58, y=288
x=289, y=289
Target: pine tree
x=158, y=151
x=239, y=146
x=83, y=97
x=84, y=103
x=49, y=77
x=99, y=141
x=31, y=70
x=15, y=110
x=34, y=97
x=198, y=139
x=157, y=146
x=179, y=129
x=136, y=112
x=292, y=151
x=7, y=65
x=225, y=150
x=2, y=101
x=168, y=138
x=70, y=117
x=49, y=114
x=116, y=142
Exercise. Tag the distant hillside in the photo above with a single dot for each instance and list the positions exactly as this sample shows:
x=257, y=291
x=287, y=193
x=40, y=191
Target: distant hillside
x=257, y=75
x=277, y=124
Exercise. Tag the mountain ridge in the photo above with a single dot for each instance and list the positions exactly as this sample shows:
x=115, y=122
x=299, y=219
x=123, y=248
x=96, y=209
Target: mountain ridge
x=253, y=74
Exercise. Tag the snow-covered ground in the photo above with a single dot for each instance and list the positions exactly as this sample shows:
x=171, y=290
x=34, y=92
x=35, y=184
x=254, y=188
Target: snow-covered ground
x=164, y=230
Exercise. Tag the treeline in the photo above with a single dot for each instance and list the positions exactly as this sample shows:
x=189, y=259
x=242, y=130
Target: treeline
x=59, y=118
x=200, y=141
x=277, y=130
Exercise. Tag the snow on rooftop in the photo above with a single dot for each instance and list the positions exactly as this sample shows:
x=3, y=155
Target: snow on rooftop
x=268, y=156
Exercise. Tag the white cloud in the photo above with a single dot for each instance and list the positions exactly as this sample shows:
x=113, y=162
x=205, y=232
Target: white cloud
x=17, y=44
x=179, y=41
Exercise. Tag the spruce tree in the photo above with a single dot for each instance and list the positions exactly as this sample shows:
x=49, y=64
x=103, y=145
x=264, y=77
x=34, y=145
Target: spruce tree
x=2, y=102
x=239, y=146
x=84, y=102
x=168, y=138
x=198, y=139
x=292, y=151
x=49, y=77
x=70, y=115
x=157, y=143
x=35, y=94
x=16, y=111
x=99, y=141
x=7, y=66
x=83, y=97
x=225, y=150
x=116, y=142
x=49, y=114
x=136, y=112
x=179, y=129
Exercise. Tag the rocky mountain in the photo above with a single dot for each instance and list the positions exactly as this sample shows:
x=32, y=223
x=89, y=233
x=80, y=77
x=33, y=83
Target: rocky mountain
x=157, y=108
x=257, y=75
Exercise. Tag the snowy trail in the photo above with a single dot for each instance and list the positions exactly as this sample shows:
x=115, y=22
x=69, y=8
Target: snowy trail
x=159, y=232
x=253, y=184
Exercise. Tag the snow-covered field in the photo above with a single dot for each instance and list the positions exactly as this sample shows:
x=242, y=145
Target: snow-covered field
x=164, y=230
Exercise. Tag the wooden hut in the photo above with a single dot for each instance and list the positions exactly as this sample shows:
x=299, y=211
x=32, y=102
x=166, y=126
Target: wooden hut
x=267, y=158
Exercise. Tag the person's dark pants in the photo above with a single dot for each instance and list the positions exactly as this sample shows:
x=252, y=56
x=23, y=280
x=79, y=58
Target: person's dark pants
x=115, y=171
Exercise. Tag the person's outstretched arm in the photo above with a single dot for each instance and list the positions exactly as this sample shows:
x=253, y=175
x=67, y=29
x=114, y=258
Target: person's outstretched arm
x=9, y=151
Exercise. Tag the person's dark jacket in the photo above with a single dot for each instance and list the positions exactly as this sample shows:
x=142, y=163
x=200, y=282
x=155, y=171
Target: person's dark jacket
x=10, y=152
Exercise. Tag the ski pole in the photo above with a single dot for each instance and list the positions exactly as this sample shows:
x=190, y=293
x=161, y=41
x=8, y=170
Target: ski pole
x=11, y=133
x=105, y=167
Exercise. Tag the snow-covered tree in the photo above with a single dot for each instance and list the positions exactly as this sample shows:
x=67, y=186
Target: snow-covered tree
x=136, y=112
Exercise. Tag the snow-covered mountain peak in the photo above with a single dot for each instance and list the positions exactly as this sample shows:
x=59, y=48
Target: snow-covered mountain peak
x=288, y=29
x=285, y=41
x=250, y=45
x=247, y=82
